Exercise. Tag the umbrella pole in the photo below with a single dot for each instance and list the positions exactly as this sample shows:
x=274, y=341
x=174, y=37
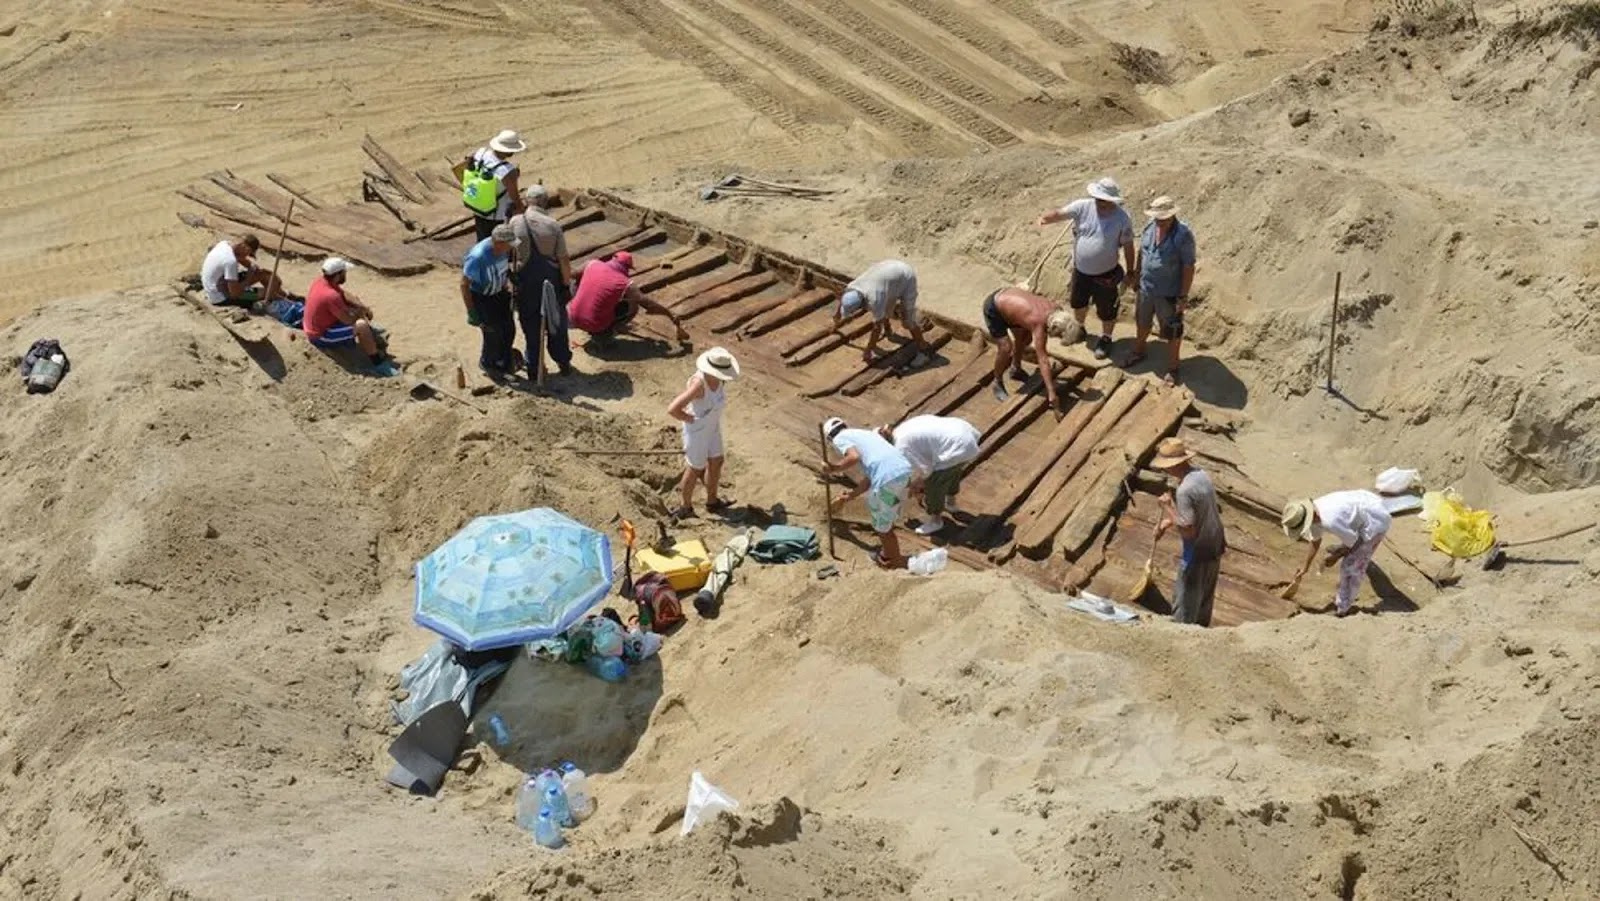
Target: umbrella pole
x=827, y=489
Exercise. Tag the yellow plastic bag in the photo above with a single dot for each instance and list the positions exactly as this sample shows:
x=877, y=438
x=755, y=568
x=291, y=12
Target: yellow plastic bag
x=1458, y=530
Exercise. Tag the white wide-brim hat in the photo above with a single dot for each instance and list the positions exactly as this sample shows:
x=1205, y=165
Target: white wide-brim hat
x=507, y=141
x=1106, y=189
x=719, y=364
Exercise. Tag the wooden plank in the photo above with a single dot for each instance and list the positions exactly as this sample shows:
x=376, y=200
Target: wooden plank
x=1247, y=495
x=388, y=260
x=597, y=247
x=969, y=380
x=223, y=228
x=1060, y=438
x=1000, y=413
x=889, y=364
x=1003, y=434
x=957, y=371
x=831, y=341
x=677, y=268
x=284, y=182
x=670, y=295
x=572, y=220
x=270, y=203
x=732, y=319
x=385, y=195
x=803, y=305
x=737, y=289
x=1122, y=399
x=404, y=180
x=1106, y=477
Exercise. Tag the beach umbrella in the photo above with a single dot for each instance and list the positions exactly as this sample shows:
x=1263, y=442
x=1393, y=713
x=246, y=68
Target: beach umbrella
x=512, y=579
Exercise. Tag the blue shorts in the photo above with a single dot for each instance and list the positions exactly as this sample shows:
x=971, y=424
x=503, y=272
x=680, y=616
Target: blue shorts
x=338, y=336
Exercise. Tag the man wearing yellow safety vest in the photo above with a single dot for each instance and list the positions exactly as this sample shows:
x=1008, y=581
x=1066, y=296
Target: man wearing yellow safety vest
x=489, y=182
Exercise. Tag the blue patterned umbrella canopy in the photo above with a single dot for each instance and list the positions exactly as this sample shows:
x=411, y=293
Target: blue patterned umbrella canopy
x=512, y=579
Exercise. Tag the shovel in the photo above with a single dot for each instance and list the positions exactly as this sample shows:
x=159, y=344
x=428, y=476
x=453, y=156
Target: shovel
x=627, y=561
x=426, y=390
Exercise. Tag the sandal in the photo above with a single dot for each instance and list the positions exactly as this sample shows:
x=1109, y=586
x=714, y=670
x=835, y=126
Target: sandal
x=720, y=505
x=681, y=513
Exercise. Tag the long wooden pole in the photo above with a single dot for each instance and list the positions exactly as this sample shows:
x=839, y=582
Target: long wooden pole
x=1333, y=332
x=277, y=256
x=827, y=489
x=1033, y=277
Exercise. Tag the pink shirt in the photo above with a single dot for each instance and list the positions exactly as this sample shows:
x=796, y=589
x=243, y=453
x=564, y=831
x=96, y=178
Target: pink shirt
x=324, y=305
x=600, y=289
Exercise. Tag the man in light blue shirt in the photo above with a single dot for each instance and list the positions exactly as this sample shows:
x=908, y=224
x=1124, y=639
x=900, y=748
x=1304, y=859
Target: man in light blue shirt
x=1166, y=271
x=486, y=292
x=888, y=482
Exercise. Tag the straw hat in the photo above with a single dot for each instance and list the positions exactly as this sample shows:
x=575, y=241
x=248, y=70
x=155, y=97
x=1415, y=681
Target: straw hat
x=1162, y=207
x=507, y=141
x=719, y=364
x=1106, y=189
x=1171, y=452
x=1299, y=516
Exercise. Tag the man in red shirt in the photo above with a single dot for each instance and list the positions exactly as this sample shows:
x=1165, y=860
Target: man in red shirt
x=335, y=318
x=606, y=298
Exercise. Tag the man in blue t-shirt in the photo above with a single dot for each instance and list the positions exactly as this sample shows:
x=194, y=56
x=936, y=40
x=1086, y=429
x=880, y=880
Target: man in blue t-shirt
x=1165, y=270
x=486, y=292
x=887, y=483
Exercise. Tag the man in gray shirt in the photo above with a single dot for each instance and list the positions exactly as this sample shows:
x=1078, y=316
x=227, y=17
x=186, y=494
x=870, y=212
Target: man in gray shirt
x=1192, y=508
x=1100, y=228
x=879, y=290
x=541, y=256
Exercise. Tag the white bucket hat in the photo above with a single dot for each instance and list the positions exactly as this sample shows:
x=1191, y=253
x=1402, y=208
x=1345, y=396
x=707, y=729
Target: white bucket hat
x=719, y=364
x=1162, y=207
x=1106, y=189
x=507, y=141
x=334, y=265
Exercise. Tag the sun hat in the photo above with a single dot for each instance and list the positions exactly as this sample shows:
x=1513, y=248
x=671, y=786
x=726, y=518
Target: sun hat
x=624, y=259
x=1171, y=452
x=833, y=426
x=851, y=302
x=507, y=141
x=719, y=364
x=334, y=265
x=505, y=234
x=1107, y=189
x=1299, y=516
x=1162, y=207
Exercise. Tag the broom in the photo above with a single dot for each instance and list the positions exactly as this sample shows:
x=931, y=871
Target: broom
x=1143, y=585
x=627, y=561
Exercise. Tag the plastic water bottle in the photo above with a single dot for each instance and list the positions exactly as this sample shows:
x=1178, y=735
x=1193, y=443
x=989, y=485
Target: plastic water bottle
x=577, y=788
x=555, y=801
x=929, y=562
x=546, y=831
x=499, y=735
x=529, y=803
x=611, y=669
x=543, y=782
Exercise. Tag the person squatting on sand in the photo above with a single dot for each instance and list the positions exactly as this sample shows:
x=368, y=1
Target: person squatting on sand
x=699, y=408
x=886, y=482
x=1100, y=226
x=1360, y=522
x=1013, y=317
x=939, y=449
x=884, y=285
x=541, y=256
x=1192, y=509
x=229, y=275
x=1164, y=273
x=335, y=318
x=606, y=299
x=486, y=293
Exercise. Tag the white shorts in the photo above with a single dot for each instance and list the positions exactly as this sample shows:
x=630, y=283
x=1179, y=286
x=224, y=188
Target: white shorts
x=701, y=442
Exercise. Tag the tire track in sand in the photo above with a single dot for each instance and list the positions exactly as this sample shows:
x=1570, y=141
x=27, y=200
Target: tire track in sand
x=1027, y=12
x=898, y=63
x=984, y=39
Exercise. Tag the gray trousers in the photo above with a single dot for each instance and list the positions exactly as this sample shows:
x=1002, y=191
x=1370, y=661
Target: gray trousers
x=1195, y=591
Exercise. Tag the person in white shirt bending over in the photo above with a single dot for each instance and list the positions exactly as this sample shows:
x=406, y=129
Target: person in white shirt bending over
x=1360, y=522
x=939, y=449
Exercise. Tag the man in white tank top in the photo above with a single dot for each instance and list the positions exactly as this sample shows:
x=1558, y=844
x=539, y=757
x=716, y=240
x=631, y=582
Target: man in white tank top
x=699, y=408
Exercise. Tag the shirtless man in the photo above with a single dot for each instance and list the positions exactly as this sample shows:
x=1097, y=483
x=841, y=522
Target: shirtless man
x=1014, y=317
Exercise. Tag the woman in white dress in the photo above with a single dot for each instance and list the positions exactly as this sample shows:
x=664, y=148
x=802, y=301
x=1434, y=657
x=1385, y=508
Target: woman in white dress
x=699, y=408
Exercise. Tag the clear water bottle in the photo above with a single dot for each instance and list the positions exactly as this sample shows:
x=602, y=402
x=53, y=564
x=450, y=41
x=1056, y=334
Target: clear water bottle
x=46, y=373
x=929, y=562
x=499, y=735
x=611, y=669
x=547, y=831
x=555, y=801
x=529, y=802
x=576, y=785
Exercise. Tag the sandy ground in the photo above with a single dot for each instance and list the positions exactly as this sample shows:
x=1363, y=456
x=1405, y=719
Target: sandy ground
x=205, y=554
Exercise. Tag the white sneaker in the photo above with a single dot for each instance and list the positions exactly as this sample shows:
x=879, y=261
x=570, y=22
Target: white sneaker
x=931, y=526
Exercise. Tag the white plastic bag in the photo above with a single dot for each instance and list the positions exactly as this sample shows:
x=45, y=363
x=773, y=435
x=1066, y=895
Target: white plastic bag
x=705, y=801
x=1398, y=481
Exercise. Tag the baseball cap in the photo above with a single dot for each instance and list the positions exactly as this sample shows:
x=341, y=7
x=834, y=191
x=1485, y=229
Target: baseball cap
x=851, y=302
x=833, y=426
x=624, y=259
x=334, y=265
x=504, y=233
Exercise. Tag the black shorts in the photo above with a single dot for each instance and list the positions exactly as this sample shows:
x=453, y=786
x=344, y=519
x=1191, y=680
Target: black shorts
x=1104, y=290
x=992, y=320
